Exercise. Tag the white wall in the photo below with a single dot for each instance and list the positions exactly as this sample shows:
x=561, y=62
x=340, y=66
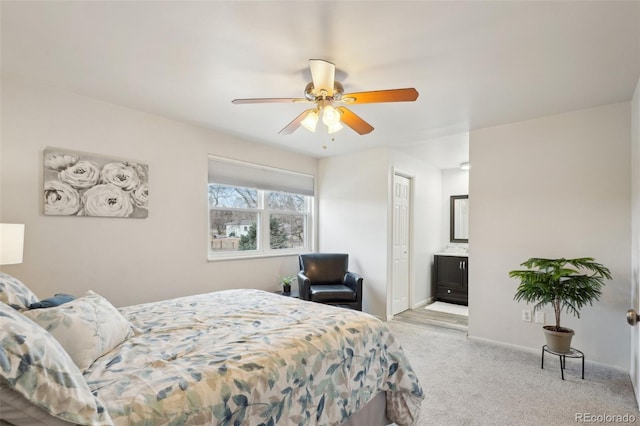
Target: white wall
x=557, y=186
x=454, y=182
x=352, y=210
x=126, y=260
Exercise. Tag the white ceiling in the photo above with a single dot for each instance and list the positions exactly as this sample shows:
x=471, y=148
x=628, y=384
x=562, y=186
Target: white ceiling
x=475, y=64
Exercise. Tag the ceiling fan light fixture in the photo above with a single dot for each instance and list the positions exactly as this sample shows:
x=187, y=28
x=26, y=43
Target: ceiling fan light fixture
x=335, y=127
x=330, y=115
x=310, y=122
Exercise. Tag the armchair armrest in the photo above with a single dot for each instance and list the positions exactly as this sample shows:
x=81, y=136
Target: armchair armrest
x=354, y=282
x=304, y=286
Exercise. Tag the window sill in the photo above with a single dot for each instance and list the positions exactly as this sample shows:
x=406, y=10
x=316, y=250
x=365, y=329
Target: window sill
x=255, y=256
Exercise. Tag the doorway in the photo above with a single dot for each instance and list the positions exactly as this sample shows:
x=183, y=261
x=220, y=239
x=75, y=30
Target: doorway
x=401, y=243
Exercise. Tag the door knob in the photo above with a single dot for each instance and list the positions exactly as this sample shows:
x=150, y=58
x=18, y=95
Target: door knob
x=632, y=317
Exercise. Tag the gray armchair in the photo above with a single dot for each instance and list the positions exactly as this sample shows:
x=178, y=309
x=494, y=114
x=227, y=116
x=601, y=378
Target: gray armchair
x=324, y=278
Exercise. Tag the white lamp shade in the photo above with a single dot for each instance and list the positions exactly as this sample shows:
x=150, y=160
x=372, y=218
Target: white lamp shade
x=332, y=128
x=11, y=243
x=330, y=115
x=310, y=121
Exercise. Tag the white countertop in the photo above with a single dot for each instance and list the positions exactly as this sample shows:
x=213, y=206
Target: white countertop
x=453, y=253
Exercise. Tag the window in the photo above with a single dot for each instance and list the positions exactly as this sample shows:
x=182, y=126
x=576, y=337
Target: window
x=257, y=210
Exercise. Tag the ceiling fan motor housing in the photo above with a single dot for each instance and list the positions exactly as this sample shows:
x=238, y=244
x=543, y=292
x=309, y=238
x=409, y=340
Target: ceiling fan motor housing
x=312, y=95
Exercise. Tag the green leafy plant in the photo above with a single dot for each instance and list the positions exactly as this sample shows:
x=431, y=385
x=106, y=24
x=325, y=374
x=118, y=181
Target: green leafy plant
x=565, y=284
x=286, y=282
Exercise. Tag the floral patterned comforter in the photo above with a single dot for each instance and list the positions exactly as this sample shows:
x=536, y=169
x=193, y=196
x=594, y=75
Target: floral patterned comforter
x=253, y=358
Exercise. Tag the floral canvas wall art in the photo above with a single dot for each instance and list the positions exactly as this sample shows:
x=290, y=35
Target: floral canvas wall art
x=82, y=184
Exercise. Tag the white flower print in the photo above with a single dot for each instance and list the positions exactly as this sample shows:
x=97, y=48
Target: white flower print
x=122, y=175
x=106, y=200
x=82, y=175
x=59, y=161
x=85, y=184
x=140, y=195
x=60, y=198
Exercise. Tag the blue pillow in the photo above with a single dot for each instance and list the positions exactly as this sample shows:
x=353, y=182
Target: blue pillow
x=51, y=302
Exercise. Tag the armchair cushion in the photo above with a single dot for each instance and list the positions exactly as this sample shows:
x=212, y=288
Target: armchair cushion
x=332, y=293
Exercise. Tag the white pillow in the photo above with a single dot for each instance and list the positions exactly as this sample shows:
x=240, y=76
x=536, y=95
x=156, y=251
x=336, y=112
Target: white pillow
x=87, y=327
x=14, y=293
x=33, y=364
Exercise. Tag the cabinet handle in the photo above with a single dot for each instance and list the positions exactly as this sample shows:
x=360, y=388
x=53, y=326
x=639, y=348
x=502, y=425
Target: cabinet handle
x=449, y=291
x=460, y=265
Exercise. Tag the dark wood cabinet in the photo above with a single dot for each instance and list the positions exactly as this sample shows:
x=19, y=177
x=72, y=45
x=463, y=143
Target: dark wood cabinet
x=452, y=279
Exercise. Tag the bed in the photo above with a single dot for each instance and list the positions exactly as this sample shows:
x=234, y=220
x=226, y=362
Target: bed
x=232, y=357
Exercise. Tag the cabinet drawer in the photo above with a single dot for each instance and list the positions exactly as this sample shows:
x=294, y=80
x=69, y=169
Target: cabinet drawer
x=452, y=294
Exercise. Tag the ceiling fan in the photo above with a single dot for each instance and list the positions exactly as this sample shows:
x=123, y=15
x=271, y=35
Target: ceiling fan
x=325, y=93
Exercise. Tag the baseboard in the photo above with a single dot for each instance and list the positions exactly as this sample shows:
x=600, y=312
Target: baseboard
x=538, y=351
x=422, y=303
x=414, y=306
x=503, y=344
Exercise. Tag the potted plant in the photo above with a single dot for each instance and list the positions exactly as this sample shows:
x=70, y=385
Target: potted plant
x=286, y=283
x=566, y=285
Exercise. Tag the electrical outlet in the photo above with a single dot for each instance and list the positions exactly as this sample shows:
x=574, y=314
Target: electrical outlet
x=526, y=315
x=540, y=317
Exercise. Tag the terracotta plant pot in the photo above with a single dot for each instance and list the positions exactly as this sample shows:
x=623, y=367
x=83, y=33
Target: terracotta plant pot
x=558, y=341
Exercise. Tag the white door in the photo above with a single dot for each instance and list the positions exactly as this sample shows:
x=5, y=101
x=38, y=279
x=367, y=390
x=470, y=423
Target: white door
x=635, y=245
x=632, y=318
x=401, y=211
x=635, y=358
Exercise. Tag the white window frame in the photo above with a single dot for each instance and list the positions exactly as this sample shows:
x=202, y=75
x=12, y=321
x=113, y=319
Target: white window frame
x=263, y=241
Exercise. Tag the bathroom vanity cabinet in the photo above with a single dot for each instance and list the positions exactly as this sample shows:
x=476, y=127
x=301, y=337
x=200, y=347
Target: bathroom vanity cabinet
x=452, y=272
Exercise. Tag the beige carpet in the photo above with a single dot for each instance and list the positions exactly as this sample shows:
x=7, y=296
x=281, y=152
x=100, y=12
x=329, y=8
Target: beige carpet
x=467, y=382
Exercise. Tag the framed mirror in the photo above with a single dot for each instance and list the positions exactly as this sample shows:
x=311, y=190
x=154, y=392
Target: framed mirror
x=459, y=224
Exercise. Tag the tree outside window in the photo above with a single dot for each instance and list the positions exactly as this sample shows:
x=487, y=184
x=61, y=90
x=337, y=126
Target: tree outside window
x=241, y=218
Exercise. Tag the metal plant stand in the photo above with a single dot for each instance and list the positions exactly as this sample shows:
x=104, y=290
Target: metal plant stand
x=573, y=353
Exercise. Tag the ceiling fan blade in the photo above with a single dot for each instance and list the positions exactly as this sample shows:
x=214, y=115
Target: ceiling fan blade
x=355, y=122
x=270, y=101
x=392, y=95
x=293, y=126
x=323, y=74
